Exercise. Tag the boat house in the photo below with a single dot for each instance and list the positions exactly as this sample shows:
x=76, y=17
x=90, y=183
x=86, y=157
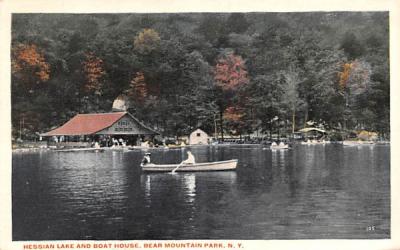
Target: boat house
x=313, y=133
x=198, y=137
x=105, y=128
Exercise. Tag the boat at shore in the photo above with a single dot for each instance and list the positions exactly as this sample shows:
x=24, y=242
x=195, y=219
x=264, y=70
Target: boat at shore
x=315, y=142
x=279, y=147
x=204, y=166
x=358, y=143
x=80, y=150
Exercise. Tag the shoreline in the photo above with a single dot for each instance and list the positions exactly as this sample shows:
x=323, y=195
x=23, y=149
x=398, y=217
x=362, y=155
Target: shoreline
x=347, y=143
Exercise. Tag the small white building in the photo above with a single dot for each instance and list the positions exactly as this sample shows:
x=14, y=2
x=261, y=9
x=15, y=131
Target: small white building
x=198, y=137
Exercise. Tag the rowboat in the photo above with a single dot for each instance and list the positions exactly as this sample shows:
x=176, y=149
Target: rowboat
x=81, y=150
x=315, y=142
x=205, y=166
x=279, y=146
x=357, y=143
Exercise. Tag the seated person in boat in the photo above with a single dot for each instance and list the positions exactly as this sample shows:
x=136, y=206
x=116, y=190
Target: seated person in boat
x=146, y=159
x=190, y=159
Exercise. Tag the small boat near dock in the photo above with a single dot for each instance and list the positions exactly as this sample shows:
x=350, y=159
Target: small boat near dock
x=357, y=143
x=204, y=166
x=80, y=150
x=280, y=146
x=315, y=142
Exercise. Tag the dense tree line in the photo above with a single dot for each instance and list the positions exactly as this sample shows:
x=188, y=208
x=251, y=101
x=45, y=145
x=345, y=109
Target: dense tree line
x=232, y=72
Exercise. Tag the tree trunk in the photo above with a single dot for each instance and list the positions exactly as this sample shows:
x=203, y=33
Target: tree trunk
x=270, y=131
x=279, y=133
x=221, y=113
x=215, y=129
x=306, y=116
x=293, y=121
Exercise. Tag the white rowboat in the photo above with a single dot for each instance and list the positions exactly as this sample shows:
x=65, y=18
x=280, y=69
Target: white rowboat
x=279, y=147
x=80, y=150
x=357, y=143
x=205, y=166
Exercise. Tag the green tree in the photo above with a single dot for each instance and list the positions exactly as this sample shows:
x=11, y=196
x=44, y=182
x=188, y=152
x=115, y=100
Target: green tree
x=352, y=46
x=291, y=95
x=237, y=23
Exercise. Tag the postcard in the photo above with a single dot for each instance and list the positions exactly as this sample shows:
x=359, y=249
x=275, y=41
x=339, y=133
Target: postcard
x=210, y=125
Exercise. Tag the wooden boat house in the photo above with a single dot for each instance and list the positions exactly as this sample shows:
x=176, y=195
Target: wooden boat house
x=105, y=128
x=312, y=133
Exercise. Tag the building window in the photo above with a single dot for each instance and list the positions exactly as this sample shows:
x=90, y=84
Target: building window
x=123, y=123
x=198, y=134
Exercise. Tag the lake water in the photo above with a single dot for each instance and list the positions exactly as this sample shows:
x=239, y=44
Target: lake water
x=314, y=191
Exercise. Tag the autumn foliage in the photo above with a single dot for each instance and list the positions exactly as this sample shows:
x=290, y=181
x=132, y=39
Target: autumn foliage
x=147, y=41
x=29, y=59
x=234, y=117
x=355, y=76
x=230, y=72
x=217, y=71
x=233, y=114
x=138, y=88
x=345, y=75
x=94, y=72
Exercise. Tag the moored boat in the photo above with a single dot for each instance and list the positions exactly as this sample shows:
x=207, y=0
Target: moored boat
x=278, y=147
x=281, y=145
x=80, y=150
x=357, y=143
x=315, y=142
x=204, y=166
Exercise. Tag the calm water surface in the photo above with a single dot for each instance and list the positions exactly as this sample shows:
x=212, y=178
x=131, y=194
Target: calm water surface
x=307, y=192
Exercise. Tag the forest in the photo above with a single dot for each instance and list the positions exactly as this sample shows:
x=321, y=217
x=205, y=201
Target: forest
x=234, y=73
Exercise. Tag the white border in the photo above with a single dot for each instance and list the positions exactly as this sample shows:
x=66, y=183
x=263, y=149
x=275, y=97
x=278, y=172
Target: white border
x=154, y=6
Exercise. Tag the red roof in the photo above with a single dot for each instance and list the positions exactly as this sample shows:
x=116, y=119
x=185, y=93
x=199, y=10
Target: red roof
x=86, y=124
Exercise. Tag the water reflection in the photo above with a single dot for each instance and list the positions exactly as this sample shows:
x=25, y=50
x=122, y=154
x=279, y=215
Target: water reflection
x=305, y=192
x=154, y=184
x=189, y=182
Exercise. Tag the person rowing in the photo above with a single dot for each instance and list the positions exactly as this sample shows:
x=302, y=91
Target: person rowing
x=146, y=159
x=189, y=161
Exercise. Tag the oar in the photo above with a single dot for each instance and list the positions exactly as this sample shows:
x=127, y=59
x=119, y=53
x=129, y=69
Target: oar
x=173, y=170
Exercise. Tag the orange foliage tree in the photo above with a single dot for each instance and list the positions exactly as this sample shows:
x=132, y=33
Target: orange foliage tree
x=29, y=70
x=94, y=72
x=355, y=76
x=354, y=82
x=29, y=61
x=234, y=117
x=137, y=88
x=344, y=75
